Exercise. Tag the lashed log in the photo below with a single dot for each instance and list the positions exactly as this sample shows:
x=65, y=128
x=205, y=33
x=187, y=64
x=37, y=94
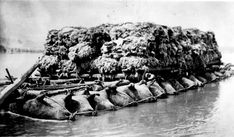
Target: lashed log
x=122, y=75
x=111, y=77
x=63, y=81
x=54, y=92
x=55, y=87
x=87, y=83
x=11, y=88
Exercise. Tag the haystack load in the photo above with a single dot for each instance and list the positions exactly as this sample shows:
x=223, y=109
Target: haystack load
x=112, y=66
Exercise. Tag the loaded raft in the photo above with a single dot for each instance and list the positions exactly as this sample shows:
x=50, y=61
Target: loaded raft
x=89, y=70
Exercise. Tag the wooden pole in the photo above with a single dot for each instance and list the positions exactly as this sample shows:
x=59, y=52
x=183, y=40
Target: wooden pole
x=9, y=76
x=11, y=88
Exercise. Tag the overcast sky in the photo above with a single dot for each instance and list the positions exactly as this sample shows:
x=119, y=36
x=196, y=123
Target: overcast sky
x=29, y=21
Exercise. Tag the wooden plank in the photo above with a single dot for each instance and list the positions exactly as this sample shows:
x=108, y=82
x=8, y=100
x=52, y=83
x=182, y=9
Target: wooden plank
x=9, y=89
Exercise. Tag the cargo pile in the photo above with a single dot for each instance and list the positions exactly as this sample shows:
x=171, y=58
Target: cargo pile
x=114, y=48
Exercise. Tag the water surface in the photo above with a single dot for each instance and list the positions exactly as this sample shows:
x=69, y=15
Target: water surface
x=17, y=63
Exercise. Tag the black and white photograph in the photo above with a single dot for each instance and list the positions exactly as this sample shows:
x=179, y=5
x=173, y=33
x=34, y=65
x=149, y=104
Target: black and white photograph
x=117, y=68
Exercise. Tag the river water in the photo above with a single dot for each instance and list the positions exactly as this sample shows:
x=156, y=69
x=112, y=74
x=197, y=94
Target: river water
x=206, y=111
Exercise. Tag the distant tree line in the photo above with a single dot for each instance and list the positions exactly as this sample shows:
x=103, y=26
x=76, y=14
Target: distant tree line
x=19, y=50
x=2, y=49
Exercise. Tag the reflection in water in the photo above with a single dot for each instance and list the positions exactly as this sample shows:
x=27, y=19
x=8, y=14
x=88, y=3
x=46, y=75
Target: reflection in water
x=206, y=111
x=223, y=118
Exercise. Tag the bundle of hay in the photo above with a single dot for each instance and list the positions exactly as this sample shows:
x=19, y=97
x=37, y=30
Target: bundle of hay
x=109, y=48
x=105, y=65
x=48, y=65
